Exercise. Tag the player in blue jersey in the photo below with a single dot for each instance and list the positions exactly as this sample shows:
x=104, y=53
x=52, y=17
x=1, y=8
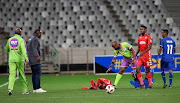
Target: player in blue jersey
x=136, y=82
x=168, y=45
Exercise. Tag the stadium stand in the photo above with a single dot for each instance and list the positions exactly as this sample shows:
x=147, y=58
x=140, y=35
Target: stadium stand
x=87, y=23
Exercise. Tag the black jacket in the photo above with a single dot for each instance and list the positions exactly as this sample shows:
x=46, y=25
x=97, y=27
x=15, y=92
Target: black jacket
x=34, y=49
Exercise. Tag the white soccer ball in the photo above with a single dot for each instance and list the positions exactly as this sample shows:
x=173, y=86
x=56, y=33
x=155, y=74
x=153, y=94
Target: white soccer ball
x=110, y=89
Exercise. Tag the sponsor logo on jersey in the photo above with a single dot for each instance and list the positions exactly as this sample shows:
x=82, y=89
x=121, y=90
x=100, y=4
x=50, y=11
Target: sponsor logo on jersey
x=169, y=41
x=124, y=49
x=14, y=42
x=142, y=42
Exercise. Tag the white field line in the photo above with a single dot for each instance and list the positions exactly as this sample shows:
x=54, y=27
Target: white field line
x=7, y=82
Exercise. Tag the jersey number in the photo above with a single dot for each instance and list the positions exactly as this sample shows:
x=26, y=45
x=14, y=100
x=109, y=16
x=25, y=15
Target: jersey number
x=169, y=49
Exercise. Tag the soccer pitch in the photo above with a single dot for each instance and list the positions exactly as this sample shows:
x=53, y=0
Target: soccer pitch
x=67, y=89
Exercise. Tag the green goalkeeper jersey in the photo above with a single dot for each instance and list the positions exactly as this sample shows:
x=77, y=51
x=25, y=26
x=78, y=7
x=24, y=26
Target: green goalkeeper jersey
x=16, y=47
x=124, y=50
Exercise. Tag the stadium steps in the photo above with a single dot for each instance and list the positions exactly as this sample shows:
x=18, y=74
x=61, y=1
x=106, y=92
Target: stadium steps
x=46, y=67
x=4, y=36
x=173, y=8
x=117, y=20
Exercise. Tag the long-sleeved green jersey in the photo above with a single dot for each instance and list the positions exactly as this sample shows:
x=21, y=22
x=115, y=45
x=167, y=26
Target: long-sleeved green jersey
x=16, y=47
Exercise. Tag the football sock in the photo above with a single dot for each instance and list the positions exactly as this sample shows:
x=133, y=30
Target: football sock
x=137, y=83
x=149, y=78
x=98, y=83
x=118, y=77
x=92, y=83
x=132, y=82
x=146, y=83
x=86, y=88
x=153, y=80
x=139, y=75
x=163, y=76
x=170, y=78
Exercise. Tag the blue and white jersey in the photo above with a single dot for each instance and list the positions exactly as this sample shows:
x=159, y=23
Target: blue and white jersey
x=168, y=45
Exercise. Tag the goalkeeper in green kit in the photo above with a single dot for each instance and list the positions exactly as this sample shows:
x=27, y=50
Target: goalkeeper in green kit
x=16, y=47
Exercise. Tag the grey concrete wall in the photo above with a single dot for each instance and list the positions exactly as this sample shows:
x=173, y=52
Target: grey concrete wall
x=86, y=55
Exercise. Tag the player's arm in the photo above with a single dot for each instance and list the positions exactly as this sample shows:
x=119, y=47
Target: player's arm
x=112, y=63
x=160, y=50
x=149, y=48
x=159, y=53
x=174, y=47
x=24, y=51
x=134, y=57
x=138, y=50
x=7, y=46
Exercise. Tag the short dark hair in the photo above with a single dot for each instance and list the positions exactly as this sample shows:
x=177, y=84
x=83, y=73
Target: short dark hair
x=144, y=26
x=37, y=30
x=165, y=30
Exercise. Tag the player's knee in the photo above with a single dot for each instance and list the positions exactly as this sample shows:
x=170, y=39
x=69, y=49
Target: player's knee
x=147, y=69
x=170, y=71
x=137, y=71
x=121, y=72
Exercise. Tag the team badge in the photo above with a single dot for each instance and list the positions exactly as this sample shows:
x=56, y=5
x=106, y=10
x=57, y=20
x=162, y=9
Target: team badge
x=124, y=49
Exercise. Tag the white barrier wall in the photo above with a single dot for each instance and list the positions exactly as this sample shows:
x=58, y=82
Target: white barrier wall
x=86, y=55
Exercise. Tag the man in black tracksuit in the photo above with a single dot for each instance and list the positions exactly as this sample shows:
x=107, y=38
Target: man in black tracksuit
x=34, y=60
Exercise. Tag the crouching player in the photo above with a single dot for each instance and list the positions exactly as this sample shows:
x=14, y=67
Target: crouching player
x=136, y=82
x=101, y=84
x=128, y=52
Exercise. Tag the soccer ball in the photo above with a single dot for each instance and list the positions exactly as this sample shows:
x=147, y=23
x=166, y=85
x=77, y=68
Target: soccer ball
x=110, y=89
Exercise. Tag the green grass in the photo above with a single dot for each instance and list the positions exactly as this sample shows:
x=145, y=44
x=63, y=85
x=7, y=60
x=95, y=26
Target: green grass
x=67, y=89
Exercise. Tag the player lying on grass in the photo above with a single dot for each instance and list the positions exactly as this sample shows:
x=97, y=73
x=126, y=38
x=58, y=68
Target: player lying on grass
x=101, y=84
x=128, y=52
x=136, y=82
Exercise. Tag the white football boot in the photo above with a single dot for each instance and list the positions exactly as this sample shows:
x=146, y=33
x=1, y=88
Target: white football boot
x=40, y=90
